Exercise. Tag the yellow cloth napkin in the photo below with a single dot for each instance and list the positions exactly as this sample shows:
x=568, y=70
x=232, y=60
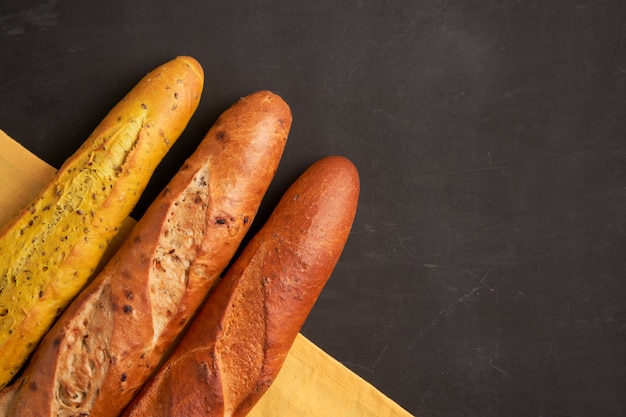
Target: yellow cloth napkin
x=310, y=383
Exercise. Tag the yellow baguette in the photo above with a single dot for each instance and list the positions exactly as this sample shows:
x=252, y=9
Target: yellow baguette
x=52, y=246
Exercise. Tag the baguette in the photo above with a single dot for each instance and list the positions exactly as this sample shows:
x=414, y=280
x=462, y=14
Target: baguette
x=113, y=336
x=237, y=344
x=51, y=248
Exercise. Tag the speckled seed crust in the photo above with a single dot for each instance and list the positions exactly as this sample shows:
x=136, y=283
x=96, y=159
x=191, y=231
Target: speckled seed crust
x=49, y=250
x=237, y=344
x=113, y=336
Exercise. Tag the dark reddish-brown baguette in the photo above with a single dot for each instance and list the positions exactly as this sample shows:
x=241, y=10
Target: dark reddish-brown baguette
x=237, y=344
x=109, y=341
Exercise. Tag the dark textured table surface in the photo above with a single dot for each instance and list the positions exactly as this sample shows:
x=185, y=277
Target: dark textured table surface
x=485, y=274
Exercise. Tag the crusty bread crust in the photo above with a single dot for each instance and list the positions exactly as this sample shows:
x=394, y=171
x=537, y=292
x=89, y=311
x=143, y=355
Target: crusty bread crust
x=237, y=344
x=114, y=335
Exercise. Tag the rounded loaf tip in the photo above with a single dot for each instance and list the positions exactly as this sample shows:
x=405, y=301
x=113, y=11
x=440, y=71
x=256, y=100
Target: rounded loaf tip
x=192, y=64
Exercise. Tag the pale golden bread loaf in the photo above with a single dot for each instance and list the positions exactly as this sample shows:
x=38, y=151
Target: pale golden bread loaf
x=50, y=248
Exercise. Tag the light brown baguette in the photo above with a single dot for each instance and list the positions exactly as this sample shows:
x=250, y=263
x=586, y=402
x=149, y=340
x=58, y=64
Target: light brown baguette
x=109, y=341
x=50, y=248
x=237, y=344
